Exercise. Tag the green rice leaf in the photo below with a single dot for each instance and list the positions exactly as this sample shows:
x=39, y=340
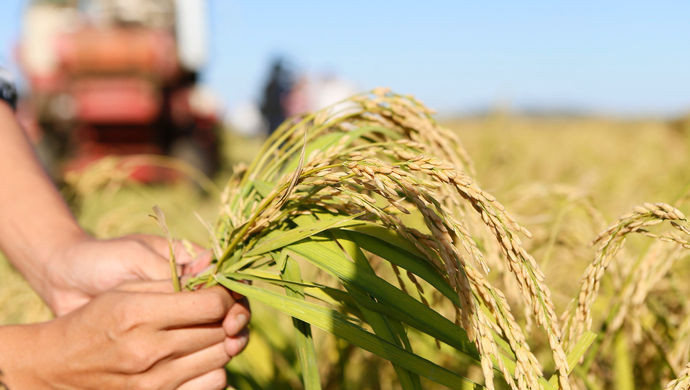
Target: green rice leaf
x=386, y=235
x=624, y=377
x=321, y=143
x=391, y=299
x=386, y=328
x=577, y=352
x=304, y=339
x=329, y=295
x=331, y=321
x=389, y=250
x=279, y=239
x=263, y=188
x=280, y=259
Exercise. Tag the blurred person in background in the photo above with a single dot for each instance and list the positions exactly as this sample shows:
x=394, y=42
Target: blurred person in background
x=299, y=99
x=118, y=323
x=278, y=85
x=315, y=92
x=330, y=89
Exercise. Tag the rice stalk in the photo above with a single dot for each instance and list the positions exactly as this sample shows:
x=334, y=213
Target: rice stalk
x=385, y=165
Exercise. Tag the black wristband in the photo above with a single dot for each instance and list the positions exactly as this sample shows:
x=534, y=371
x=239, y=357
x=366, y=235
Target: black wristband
x=8, y=92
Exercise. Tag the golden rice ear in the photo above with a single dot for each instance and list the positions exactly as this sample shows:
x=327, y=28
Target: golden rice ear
x=610, y=241
x=385, y=163
x=682, y=382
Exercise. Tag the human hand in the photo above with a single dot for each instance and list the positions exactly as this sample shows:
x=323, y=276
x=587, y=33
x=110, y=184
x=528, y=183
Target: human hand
x=140, y=336
x=86, y=267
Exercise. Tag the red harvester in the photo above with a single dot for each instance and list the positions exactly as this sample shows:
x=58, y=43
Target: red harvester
x=118, y=77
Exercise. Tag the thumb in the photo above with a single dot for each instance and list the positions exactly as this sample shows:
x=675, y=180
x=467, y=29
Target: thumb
x=149, y=265
x=189, y=254
x=156, y=267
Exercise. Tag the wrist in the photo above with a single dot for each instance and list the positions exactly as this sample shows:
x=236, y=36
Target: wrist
x=55, y=268
x=21, y=351
x=50, y=264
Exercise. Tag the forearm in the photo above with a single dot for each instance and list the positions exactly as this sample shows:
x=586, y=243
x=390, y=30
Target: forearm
x=36, y=223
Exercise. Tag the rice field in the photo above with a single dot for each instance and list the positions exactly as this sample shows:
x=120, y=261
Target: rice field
x=568, y=181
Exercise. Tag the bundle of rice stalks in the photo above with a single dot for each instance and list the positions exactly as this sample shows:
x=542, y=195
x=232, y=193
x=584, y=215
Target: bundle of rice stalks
x=372, y=186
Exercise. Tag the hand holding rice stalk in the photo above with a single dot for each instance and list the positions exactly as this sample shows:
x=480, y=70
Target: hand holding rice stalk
x=377, y=182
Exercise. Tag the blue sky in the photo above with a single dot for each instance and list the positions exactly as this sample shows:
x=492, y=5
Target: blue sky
x=619, y=57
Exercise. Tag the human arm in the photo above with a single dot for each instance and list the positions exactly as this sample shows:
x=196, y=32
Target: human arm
x=69, y=269
x=41, y=238
x=36, y=225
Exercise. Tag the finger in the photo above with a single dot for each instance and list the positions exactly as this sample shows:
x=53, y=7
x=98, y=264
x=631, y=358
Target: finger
x=236, y=344
x=183, y=369
x=185, y=341
x=212, y=380
x=156, y=264
x=157, y=243
x=177, y=310
x=237, y=318
x=142, y=258
x=237, y=296
x=183, y=309
x=152, y=267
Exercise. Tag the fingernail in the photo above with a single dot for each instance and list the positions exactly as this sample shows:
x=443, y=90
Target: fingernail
x=236, y=344
x=242, y=320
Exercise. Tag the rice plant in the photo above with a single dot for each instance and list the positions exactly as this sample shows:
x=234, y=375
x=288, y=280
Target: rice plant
x=372, y=186
x=365, y=220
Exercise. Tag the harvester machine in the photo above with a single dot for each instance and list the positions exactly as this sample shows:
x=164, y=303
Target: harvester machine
x=118, y=77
